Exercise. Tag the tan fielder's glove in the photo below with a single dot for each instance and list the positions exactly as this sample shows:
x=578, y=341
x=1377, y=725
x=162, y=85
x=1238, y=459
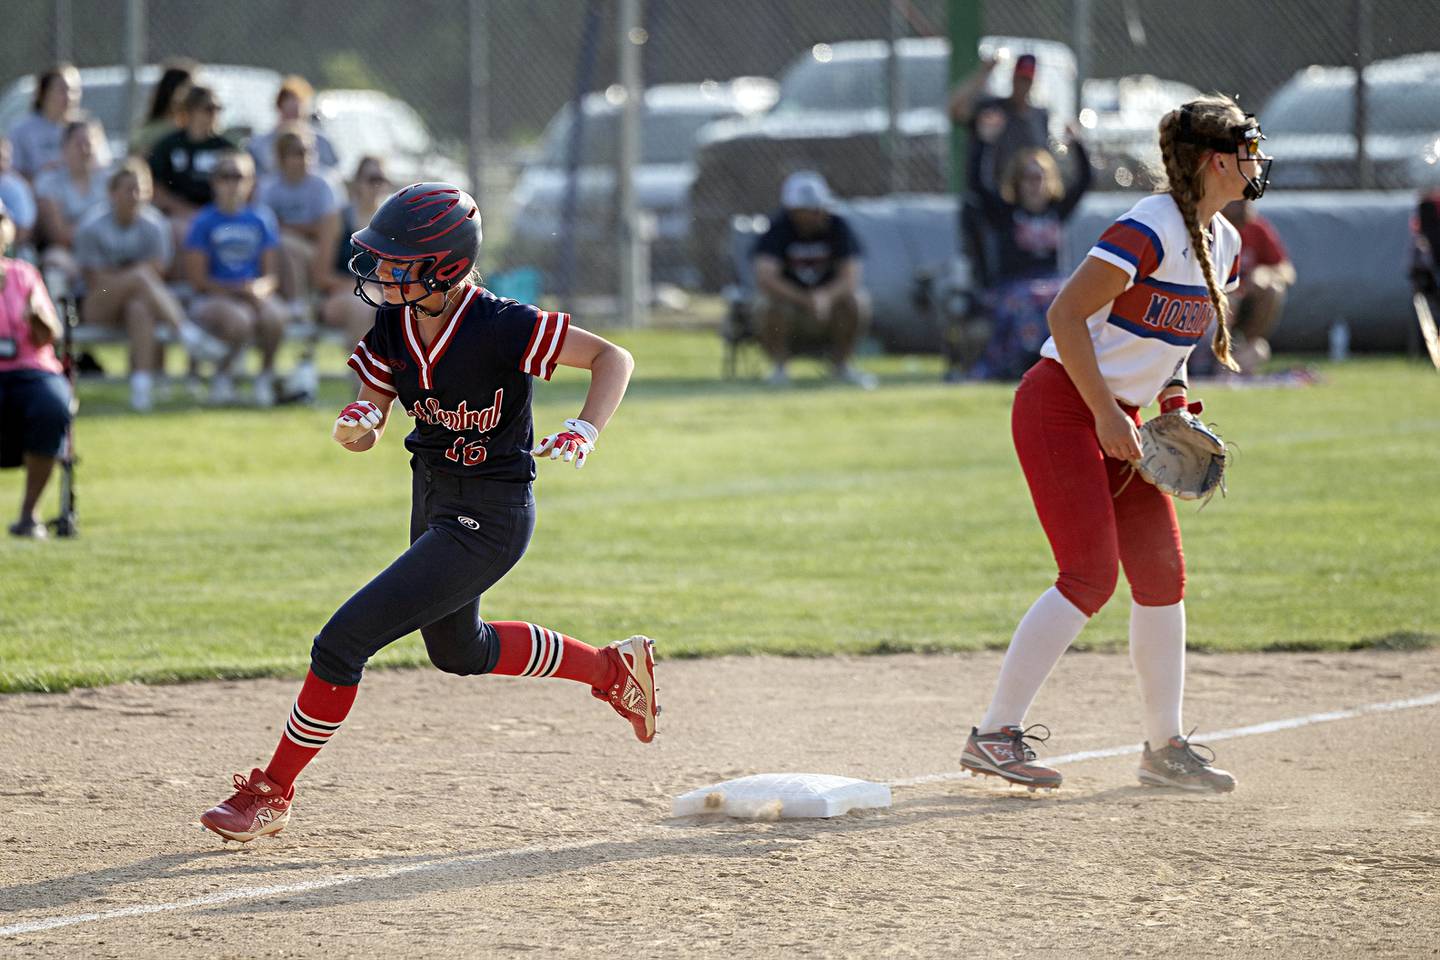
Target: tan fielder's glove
x=1180, y=454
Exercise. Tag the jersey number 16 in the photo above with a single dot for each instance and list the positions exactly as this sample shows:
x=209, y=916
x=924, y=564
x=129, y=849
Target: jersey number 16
x=469, y=454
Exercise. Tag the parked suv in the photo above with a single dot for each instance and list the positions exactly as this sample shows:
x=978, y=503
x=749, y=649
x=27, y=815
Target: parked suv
x=1120, y=119
x=368, y=122
x=833, y=116
x=673, y=114
x=1310, y=126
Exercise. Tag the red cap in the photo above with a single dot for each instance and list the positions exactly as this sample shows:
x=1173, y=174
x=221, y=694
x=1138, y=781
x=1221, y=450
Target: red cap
x=1025, y=65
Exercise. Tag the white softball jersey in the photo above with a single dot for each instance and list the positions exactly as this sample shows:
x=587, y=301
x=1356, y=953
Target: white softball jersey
x=1143, y=337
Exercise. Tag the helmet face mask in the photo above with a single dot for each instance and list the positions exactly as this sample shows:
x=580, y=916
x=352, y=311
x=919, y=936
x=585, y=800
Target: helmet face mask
x=425, y=236
x=1243, y=141
x=1247, y=148
x=365, y=266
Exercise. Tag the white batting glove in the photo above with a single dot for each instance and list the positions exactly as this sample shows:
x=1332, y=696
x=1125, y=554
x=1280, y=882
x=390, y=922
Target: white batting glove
x=356, y=420
x=573, y=443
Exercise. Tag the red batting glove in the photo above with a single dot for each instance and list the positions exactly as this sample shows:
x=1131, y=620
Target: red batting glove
x=573, y=443
x=356, y=420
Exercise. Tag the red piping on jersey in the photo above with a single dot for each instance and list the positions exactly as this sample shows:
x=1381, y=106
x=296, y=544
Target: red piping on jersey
x=447, y=336
x=536, y=364
x=540, y=323
x=371, y=381
x=427, y=361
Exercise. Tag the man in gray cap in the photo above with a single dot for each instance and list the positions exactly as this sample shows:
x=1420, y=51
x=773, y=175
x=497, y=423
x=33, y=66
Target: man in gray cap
x=807, y=269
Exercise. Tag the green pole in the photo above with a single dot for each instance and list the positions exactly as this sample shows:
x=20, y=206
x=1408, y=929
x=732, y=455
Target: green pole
x=964, y=24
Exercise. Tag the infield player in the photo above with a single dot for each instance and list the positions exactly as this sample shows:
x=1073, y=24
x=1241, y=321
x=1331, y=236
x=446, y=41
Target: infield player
x=461, y=362
x=1121, y=330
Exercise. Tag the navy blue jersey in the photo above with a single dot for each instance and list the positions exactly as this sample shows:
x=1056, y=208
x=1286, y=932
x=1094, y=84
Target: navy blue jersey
x=808, y=261
x=469, y=393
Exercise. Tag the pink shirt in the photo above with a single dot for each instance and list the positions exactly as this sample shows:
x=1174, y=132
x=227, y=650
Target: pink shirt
x=20, y=280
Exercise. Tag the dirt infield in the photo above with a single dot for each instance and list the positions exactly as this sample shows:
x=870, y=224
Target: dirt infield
x=493, y=817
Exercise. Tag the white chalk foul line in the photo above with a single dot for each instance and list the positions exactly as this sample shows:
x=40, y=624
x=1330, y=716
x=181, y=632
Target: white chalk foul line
x=251, y=893
x=1290, y=723
x=341, y=879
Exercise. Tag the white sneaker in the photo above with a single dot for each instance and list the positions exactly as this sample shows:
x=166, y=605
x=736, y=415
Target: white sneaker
x=857, y=378
x=222, y=390
x=299, y=311
x=304, y=381
x=141, y=391
x=264, y=389
x=201, y=345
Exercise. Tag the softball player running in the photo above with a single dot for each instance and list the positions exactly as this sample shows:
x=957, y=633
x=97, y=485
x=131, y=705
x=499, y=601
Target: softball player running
x=1122, y=328
x=461, y=362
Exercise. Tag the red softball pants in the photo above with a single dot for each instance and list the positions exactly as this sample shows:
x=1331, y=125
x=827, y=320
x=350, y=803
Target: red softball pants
x=1093, y=524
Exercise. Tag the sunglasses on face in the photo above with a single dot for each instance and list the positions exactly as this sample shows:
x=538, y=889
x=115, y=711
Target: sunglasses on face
x=376, y=180
x=229, y=175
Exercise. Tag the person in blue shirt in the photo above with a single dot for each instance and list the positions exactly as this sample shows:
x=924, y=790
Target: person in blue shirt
x=231, y=260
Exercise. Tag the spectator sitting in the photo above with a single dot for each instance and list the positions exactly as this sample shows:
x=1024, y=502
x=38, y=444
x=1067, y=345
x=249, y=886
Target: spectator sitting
x=124, y=251
x=807, y=269
x=17, y=197
x=167, y=106
x=304, y=204
x=230, y=260
x=293, y=103
x=999, y=126
x=34, y=397
x=65, y=196
x=1266, y=273
x=342, y=309
x=181, y=162
x=37, y=135
x=1026, y=217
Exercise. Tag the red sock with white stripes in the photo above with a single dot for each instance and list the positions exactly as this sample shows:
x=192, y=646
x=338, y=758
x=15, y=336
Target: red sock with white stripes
x=318, y=712
x=528, y=650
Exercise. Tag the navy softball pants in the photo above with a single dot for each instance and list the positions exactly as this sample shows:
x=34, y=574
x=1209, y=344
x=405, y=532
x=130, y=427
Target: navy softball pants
x=465, y=534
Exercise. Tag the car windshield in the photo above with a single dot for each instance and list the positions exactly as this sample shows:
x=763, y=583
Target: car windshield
x=1399, y=107
x=666, y=137
x=362, y=129
x=859, y=84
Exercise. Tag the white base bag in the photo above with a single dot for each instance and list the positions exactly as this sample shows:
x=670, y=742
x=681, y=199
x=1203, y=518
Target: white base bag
x=789, y=796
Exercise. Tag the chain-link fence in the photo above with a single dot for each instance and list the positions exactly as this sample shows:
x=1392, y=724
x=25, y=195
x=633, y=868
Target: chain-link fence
x=493, y=84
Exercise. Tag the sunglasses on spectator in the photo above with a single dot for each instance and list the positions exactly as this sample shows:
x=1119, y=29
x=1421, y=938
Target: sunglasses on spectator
x=228, y=175
x=376, y=179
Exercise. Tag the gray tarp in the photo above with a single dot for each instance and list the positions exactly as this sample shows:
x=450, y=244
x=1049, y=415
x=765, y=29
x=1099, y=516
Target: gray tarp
x=1351, y=251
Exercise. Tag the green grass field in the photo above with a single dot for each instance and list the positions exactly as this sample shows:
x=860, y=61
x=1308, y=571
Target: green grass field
x=722, y=518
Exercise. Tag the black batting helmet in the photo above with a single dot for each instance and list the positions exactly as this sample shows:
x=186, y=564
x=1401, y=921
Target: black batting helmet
x=432, y=228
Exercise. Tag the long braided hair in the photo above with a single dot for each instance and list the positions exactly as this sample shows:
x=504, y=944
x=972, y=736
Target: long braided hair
x=1212, y=116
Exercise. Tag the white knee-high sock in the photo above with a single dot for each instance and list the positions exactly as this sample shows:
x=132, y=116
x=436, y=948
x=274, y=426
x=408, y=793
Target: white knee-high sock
x=1050, y=625
x=1157, y=650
